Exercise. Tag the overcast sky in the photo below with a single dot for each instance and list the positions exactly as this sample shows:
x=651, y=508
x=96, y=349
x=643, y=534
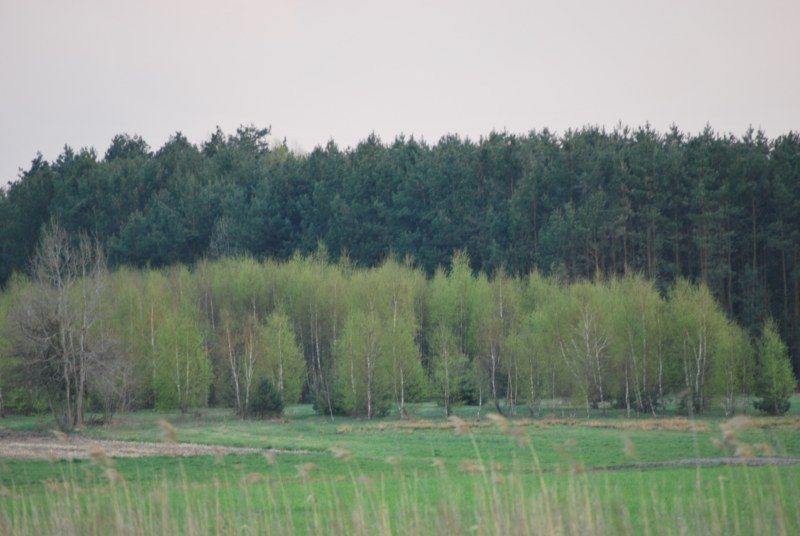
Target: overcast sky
x=77, y=72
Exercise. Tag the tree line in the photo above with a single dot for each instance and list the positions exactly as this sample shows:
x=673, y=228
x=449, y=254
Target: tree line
x=365, y=341
x=710, y=208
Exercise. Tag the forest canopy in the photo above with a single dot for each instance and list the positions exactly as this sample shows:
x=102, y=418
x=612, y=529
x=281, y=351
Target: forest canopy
x=719, y=210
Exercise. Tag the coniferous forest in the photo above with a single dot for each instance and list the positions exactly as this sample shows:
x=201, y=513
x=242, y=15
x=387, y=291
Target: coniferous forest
x=495, y=261
x=500, y=268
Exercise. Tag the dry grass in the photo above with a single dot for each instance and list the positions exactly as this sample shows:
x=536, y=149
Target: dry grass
x=75, y=448
x=780, y=423
x=169, y=432
x=340, y=453
x=463, y=426
x=670, y=424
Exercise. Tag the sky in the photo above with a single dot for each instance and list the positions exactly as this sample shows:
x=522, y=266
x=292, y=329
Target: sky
x=78, y=72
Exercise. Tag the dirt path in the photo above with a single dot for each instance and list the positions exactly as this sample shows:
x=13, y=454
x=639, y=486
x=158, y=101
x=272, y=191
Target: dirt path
x=79, y=448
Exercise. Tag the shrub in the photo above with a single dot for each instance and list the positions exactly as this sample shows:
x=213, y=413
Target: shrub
x=775, y=382
x=266, y=401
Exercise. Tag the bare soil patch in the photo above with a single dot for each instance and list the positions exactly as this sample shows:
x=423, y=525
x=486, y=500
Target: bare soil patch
x=27, y=447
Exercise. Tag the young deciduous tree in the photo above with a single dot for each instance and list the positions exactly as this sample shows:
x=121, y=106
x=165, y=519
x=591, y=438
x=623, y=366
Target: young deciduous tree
x=399, y=287
x=55, y=327
x=363, y=375
x=234, y=296
x=9, y=362
x=583, y=338
x=138, y=307
x=183, y=371
x=447, y=311
x=315, y=295
x=450, y=369
x=283, y=361
x=637, y=313
x=695, y=319
x=528, y=352
x=776, y=382
x=242, y=349
x=733, y=367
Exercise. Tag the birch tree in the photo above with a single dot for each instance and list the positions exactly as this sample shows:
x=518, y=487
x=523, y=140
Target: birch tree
x=283, y=361
x=362, y=373
x=242, y=349
x=314, y=294
x=696, y=319
x=733, y=367
x=450, y=369
x=582, y=339
x=55, y=326
x=637, y=312
x=397, y=288
x=528, y=353
x=183, y=371
x=449, y=366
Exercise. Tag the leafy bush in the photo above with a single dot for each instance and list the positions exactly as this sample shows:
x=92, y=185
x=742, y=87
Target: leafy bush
x=266, y=401
x=775, y=382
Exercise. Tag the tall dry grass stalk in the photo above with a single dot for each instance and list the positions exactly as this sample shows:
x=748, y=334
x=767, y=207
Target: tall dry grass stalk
x=169, y=432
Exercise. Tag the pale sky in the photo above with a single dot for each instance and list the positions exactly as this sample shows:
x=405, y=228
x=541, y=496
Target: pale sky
x=78, y=72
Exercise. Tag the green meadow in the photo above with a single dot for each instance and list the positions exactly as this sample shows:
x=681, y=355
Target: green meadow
x=549, y=475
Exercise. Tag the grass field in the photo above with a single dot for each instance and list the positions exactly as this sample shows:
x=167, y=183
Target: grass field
x=546, y=475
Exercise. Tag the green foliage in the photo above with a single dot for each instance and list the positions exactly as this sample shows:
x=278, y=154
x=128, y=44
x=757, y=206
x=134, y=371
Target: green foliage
x=283, y=361
x=450, y=370
x=364, y=341
x=182, y=374
x=699, y=336
x=363, y=371
x=528, y=360
x=403, y=288
x=457, y=312
x=733, y=369
x=7, y=360
x=266, y=400
x=14, y=398
x=637, y=314
x=139, y=309
x=776, y=382
x=314, y=294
